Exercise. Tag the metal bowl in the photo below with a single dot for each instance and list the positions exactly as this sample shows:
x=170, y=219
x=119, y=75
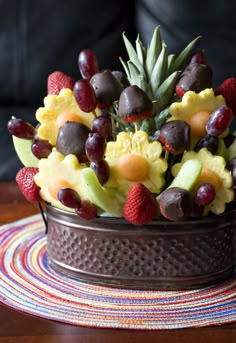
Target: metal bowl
x=161, y=255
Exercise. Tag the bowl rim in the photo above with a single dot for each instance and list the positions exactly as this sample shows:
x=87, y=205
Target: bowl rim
x=210, y=223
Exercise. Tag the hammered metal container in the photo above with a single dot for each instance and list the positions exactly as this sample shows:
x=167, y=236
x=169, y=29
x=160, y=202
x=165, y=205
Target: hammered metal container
x=161, y=255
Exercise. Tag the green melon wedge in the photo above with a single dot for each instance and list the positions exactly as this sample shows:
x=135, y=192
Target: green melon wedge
x=109, y=200
x=23, y=150
x=232, y=150
x=222, y=150
x=188, y=175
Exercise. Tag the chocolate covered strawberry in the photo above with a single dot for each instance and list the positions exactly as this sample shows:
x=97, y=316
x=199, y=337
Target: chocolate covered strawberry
x=195, y=77
x=175, y=135
x=175, y=203
x=140, y=205
x=25, y=181
x=198, y=57
x=107, y=88
x=58, y=80
x=134, y=104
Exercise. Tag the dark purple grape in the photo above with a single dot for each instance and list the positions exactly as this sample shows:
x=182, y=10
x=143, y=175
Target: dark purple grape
x=41, y=148
x=69, y=198
x=102, y=170
x=87, y=210
x=95, y=147
x=209, y=142
x=205, y=194
x=219, y=120
x=85, y=95
x=88, y=63
x=103, y=126
x=20, y=128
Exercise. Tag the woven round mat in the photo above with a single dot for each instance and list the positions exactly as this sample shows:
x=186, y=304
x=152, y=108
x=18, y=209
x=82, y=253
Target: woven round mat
x=27, y=283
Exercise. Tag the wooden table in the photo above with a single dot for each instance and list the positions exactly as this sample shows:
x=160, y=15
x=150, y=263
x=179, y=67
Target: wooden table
x=19, y=327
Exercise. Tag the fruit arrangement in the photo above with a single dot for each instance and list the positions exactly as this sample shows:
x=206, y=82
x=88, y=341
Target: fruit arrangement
x=152, y=141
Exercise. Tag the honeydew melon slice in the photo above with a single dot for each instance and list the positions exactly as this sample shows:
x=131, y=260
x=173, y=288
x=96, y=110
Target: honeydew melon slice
x=188, y=175
x=109, y=200
x=23, y=150
x=232, y=150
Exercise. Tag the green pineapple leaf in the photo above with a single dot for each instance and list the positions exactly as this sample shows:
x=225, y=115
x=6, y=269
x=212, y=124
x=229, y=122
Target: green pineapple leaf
x=141, y=51
x=161, y=118
x=144, y=85
x=134, y=74
x=183, y=57
x=166, y=90
x=132, y=54
x=159, y=71
x=126, y=69
x=153, y=51
x=171, y=60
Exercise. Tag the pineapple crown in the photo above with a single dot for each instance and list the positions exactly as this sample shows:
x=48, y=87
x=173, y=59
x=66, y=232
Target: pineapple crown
x=156, y=72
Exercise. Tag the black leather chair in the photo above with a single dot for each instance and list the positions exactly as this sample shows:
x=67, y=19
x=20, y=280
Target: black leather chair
x=37, y=38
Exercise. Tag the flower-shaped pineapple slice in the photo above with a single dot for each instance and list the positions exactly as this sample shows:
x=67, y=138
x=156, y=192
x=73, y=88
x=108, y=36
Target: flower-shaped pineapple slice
x=54, y=105
x=132, y=158
x=195, y=109
x=56, y=172
x=215, y=172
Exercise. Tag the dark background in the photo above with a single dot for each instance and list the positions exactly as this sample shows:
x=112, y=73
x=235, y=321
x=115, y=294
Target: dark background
x=37, y=38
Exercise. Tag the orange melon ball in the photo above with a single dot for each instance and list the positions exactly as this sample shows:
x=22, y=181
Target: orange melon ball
x=133, y=167
x=66, y=116
x=198, y=123
x=209, y=176
x=55, y=185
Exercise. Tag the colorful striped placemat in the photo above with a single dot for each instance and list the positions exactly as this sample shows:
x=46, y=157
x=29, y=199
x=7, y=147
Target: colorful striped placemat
x=27, y=283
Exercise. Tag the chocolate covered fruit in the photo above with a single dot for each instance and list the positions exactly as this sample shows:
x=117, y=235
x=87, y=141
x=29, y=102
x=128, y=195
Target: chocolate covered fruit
x=159, y=132
x=175, y=203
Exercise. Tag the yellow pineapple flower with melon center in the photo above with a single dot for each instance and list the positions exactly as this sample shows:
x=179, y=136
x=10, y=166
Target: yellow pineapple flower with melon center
x=132, y=158
x=58, y=171
x=55, y=105
x=214, y=171
x=195, y=109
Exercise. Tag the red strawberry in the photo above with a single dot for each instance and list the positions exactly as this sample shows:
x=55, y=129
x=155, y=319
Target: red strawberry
x=179, y=91
x=25, y=181
x=228, y=90
x=58, y=80
x=140, y=205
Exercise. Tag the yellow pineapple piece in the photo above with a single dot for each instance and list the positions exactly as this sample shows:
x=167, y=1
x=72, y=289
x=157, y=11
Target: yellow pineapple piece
x=58, y=171
x=214, y=171
x=133, y=158
x=54, y=105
